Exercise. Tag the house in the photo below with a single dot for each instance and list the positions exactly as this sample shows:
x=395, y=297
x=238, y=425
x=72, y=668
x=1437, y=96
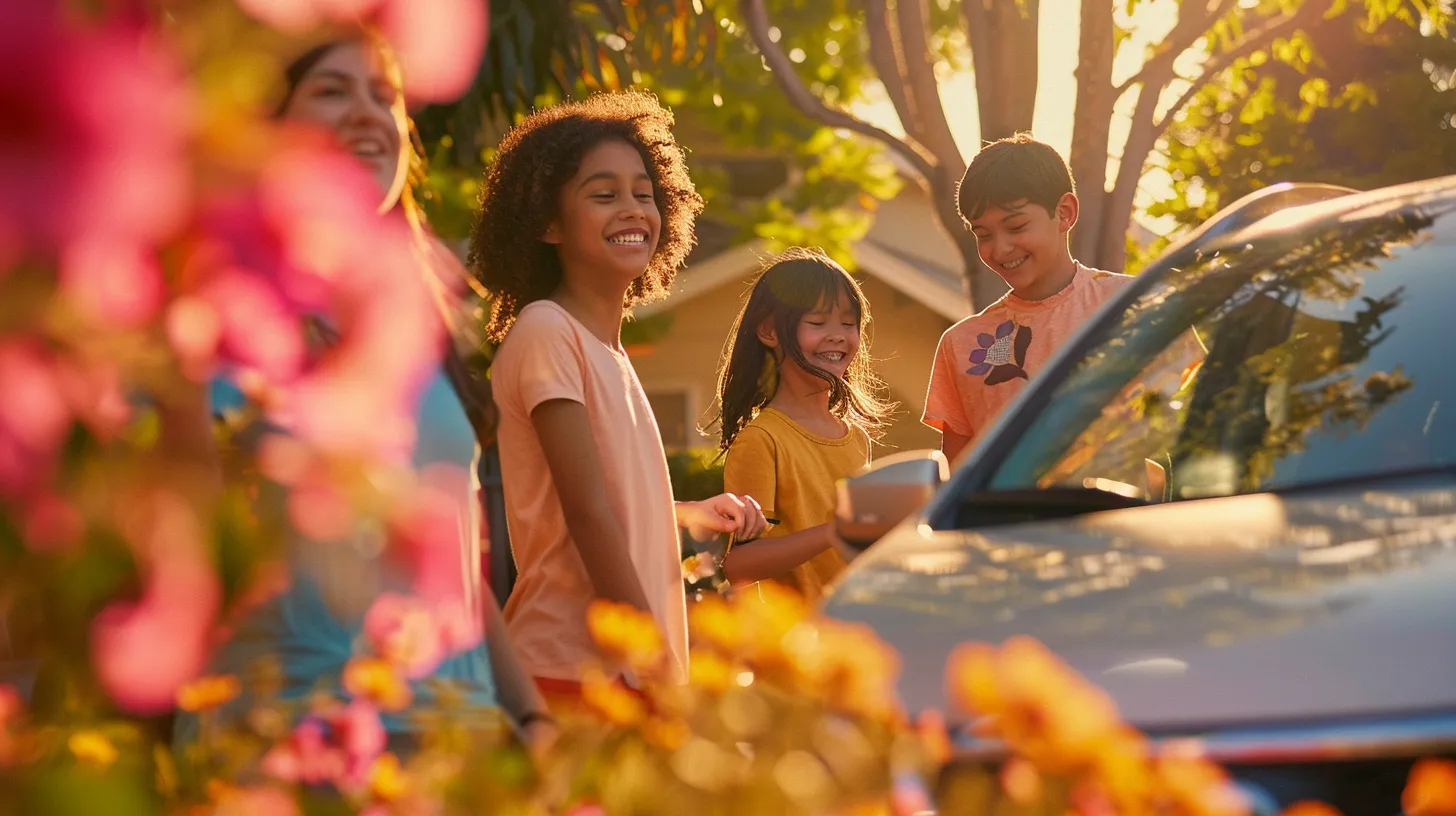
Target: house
x=910, y=272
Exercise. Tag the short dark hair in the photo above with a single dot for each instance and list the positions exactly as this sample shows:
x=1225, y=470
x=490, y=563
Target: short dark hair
x=522, y=191
x=1011, y=170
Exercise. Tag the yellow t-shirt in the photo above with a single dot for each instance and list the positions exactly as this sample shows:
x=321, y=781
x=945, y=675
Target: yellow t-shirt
x=791, y=473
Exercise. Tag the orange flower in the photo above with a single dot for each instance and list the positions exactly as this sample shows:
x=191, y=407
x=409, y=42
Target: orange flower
x=378, y=681
x=714, y=623
x=207, y=693
x=1431, y=789
x=668, y=735
x=934, y=737
x=388, y=781
x=611, y=700
x=710, y=672
x=1021, y=781
x=1310, y=809
x=971, y=679
x=92, y=748
x=626, y=634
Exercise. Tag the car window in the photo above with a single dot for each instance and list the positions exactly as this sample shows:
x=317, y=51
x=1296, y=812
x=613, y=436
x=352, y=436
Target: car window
x=1302, y=358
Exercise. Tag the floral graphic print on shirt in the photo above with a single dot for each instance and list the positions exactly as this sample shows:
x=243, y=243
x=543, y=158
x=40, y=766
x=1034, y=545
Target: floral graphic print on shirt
x=1001, y=358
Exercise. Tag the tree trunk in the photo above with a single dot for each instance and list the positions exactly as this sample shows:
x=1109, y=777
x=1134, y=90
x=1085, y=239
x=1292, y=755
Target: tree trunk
x=1095, y=100
x=984, y=286
x=1117, y=215
x=1003, y=35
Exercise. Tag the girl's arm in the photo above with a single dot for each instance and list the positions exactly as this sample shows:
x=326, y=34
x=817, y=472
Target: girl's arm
x=774, y=557
x=580, y=478
x=516, y=691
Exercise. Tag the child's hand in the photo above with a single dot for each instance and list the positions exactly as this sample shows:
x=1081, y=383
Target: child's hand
x=725, y=513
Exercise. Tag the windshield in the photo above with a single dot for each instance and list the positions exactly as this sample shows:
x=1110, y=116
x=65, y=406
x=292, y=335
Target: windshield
x=1317, y=355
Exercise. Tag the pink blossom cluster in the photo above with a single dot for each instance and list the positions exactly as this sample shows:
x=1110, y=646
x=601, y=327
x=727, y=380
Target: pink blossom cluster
x=439, y=42
x=126, y=240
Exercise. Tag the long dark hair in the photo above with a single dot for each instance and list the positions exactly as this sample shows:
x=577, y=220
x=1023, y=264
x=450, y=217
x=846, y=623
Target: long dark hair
x=790, y=286
x=464, y=370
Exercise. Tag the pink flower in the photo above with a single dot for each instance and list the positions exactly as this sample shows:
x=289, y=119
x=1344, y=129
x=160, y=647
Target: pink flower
x=34, y=416
x=439, y=42
x=401, y=630
x=113, y=283
x=96, y=121
x=306, y=756
x=12, y=708
x=145, y=650
x=337, y=745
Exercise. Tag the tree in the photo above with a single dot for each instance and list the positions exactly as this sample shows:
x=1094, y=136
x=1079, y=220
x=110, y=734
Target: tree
x=1383, y=113
x=701, y=62
x=906, y=40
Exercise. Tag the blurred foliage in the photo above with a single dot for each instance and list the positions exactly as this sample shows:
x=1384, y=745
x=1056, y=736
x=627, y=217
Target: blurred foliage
x=1364, y=109
x=704, y=66
x=697, y=473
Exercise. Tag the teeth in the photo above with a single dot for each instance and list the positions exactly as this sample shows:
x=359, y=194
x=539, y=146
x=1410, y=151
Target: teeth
x=835, y=356
x=1013, y=264
x=633, y=238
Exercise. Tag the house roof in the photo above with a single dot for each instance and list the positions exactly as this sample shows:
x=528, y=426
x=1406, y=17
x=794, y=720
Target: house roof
x=937, y=288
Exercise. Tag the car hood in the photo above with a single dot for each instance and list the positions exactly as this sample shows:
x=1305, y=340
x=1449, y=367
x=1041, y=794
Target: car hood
x=1196, y=614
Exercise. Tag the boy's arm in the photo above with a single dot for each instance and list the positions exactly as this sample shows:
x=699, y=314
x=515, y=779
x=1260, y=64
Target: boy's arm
x=953, y=444
x=580, y=478
x=943, y=408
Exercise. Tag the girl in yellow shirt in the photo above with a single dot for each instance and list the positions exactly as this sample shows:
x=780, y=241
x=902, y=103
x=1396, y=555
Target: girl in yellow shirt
x=798, y=409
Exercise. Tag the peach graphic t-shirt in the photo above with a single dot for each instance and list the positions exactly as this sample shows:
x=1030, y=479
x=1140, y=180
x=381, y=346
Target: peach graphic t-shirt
x=983, y=362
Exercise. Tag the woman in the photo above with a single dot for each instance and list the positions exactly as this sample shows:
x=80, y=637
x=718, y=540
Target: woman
x=346, y=88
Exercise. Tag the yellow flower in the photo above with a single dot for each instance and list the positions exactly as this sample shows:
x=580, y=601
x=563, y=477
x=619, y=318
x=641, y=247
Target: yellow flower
x=626, y=634
x=1021, y=781
x=207, y=693
x=388, y=781
x=1431, y=789
x=714, y=623
x=611, y=700
x=710, y=672
x=668, y=735
x=92, y=748
x=378, y=681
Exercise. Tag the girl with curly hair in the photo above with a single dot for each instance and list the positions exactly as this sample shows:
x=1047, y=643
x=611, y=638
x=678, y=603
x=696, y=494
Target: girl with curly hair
x=587, y=210
x=798, y=408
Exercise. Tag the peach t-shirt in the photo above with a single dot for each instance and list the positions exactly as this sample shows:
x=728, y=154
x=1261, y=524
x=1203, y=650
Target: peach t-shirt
x=548, y=355
x=983, y=362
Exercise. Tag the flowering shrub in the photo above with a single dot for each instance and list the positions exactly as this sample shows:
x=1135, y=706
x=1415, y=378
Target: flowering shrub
x=155, y=227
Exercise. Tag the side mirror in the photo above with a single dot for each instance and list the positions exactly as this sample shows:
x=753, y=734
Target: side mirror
x=871, y=504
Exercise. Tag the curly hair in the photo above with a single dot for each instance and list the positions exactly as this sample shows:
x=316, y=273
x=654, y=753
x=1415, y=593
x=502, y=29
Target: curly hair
x=522, y=191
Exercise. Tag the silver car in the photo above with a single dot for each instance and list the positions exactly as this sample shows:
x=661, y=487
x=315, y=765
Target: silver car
x=1230, y=502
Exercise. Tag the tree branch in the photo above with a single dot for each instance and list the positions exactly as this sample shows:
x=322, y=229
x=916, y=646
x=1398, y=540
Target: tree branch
x=889, y=62
x=1251, y=42
x=926, y=106
x=812, y=106
x=1184, y=34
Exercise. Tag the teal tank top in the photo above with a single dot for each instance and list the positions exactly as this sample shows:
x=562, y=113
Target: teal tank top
x=300, y=631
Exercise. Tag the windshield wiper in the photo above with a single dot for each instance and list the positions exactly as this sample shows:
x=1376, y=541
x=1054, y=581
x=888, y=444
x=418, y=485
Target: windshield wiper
x=993, y=507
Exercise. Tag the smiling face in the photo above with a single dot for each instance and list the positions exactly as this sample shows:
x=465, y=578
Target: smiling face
x=1025, y=244
x=608, y=222
x=829, y=335
x=348, y=93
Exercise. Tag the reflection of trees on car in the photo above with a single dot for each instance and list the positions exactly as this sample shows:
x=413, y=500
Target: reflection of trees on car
x=1278, y=367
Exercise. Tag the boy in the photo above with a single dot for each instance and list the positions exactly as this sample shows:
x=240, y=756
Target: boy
x=1018, y=198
